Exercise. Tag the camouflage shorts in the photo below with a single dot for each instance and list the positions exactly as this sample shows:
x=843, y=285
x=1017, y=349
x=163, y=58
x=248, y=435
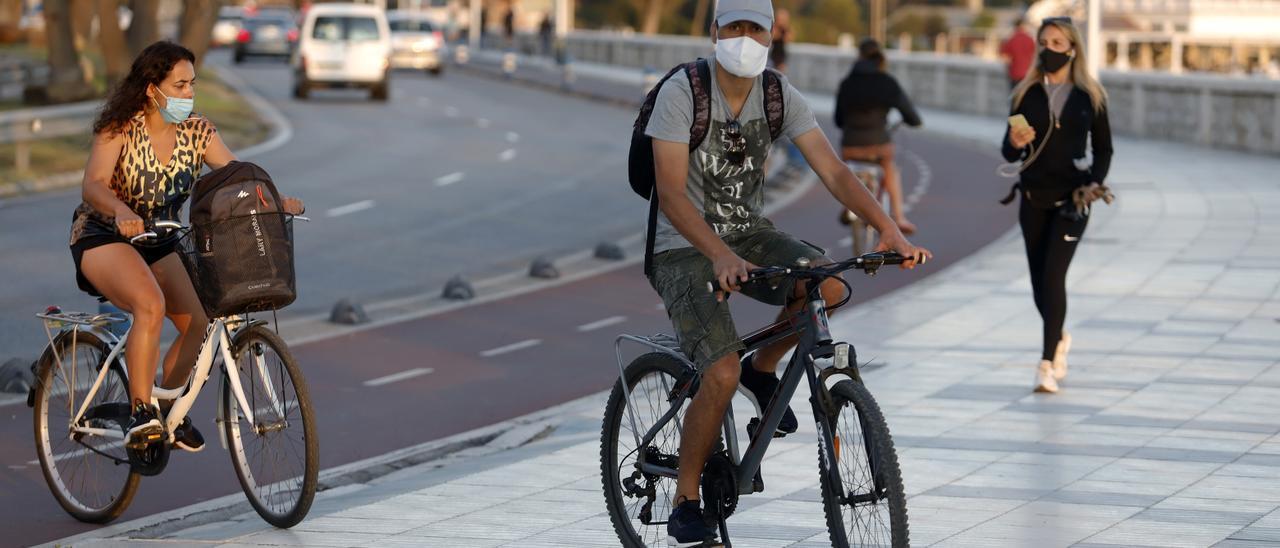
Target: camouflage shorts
x=705, y=327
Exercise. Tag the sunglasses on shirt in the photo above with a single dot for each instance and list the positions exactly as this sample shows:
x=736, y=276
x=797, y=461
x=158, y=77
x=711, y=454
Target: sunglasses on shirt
x=735, y=144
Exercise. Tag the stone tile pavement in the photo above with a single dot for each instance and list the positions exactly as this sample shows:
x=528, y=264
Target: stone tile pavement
x=1165, y=433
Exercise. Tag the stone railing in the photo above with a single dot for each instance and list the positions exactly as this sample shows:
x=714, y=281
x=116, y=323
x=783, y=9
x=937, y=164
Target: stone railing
x=1218, y=111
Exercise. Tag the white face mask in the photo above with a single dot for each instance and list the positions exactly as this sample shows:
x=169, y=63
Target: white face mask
x=743, y=56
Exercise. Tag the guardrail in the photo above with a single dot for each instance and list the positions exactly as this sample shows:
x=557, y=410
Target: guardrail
x=22, y=127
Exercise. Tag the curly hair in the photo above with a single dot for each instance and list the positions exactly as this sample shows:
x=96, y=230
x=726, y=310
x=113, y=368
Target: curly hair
x=129, y=96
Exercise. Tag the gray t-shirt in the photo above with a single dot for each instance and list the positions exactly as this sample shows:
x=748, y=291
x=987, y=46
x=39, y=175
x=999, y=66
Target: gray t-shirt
x=1058, y=94
x=730, y=197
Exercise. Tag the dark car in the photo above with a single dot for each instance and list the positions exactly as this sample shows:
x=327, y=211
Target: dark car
x=267, y=34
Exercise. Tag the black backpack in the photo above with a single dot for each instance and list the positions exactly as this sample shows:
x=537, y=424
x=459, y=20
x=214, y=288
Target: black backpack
x=640, y=169
x=240, y=250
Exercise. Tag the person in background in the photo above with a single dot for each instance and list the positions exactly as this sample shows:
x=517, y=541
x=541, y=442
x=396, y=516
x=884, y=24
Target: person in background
x=863, y=103
x=546, y=31
x=1018, y=53
x=781, y=37
x=1058, y=110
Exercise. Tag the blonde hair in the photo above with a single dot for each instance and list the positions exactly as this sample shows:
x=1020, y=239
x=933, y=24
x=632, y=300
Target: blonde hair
x=1079, y=71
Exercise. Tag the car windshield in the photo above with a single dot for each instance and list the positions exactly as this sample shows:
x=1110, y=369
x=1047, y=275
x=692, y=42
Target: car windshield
x=411, y=25
x=259, y=22
x=355, y=29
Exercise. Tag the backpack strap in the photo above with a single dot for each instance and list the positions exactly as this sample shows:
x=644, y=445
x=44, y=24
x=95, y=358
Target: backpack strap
x=699, y=73
x=774, y=107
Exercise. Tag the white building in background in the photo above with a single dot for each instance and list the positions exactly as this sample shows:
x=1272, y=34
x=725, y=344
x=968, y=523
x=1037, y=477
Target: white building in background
x=1239, y=36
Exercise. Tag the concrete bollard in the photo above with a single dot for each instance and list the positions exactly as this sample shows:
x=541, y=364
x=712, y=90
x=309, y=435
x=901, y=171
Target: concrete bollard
x=508, y=64
x=543, y=268
x=610, y=252
x=458, y=289
x=16, y=376
x=348, y=312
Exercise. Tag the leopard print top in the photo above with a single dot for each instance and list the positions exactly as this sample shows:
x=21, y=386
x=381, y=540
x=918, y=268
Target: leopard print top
x=152, y=190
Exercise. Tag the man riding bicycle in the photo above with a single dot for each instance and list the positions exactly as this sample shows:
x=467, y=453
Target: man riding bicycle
x=710, y=227
x=863, y=103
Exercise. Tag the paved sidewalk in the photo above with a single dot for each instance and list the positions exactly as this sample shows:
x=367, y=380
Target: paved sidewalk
x=1165, y=432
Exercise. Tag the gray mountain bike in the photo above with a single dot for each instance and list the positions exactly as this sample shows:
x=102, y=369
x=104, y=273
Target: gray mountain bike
x=862, y=490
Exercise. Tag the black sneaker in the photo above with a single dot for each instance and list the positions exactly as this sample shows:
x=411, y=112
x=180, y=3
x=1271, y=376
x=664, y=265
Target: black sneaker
x=144, y=427
x=187, y=438
x=687, y=526
x=759, y=388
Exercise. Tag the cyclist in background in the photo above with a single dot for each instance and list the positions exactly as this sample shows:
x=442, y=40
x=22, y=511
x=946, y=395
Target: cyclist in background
x=863, y=103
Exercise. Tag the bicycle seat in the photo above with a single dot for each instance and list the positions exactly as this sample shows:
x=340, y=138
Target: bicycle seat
x=860, y=166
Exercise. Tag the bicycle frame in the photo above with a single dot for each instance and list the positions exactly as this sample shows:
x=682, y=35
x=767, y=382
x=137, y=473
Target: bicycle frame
x=815, y=342
x=217, y=340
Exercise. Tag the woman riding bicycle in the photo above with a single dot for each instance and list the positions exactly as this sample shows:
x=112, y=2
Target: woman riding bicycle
x=863, y=103
x=148, y=149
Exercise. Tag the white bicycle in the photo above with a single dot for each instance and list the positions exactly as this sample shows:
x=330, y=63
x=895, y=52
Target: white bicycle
x=81, y=409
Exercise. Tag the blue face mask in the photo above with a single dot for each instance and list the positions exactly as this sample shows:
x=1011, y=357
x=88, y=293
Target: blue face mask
x=176, y=110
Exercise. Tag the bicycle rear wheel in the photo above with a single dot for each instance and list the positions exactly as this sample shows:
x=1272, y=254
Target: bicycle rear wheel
x=868, y=507
x=639, y=503
x=276, y=457
x=88, y=474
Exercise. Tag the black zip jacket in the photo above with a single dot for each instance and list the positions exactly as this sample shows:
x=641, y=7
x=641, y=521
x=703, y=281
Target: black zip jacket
x=1053, y=175
x=863, y=103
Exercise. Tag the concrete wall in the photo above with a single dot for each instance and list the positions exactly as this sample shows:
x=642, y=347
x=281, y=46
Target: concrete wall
x=1217, y=111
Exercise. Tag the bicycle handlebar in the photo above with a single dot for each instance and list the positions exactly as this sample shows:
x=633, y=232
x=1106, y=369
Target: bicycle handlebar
x=166, y=226
x=869, y=263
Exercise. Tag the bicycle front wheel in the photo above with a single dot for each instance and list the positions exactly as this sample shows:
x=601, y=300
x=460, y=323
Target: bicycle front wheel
x=868, y=506
x=89, y=474
x=639, y=502
x=276, y=456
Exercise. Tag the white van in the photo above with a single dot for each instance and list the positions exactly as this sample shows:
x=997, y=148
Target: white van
x=343, y=45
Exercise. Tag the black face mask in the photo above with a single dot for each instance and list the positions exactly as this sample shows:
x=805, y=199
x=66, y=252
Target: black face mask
x=1051, y=60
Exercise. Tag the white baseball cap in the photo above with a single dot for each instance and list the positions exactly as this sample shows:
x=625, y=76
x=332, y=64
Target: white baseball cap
x=759, y=12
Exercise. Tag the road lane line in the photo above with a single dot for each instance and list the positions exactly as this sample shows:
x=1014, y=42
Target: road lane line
x=615, y=320
x=451, y=178
x=507, y=155
x=513, y=137
x=349, y=208
x=452, y=111
x=403, y=375
x=510, y=348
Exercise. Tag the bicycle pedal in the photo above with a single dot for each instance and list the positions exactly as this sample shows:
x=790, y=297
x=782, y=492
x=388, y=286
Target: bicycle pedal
x=754, y=426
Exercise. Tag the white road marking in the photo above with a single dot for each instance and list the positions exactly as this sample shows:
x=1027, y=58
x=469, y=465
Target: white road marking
x=349, y=208
x=601, y=324
x=450, y=179
x=451, y=111
x=510, y=348
x=513, y=137
x=403, y=375
x=483, y=123
x=507, y=155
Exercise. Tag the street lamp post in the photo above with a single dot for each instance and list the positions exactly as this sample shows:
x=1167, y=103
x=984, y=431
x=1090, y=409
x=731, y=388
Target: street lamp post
x=1097, y=48
x=476, y=26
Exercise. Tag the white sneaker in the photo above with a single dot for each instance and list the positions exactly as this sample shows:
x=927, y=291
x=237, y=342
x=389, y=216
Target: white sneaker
x=1060, y=356
x=1044, y=378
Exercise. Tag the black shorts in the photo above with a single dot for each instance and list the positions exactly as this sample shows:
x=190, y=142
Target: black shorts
x=149, y=253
